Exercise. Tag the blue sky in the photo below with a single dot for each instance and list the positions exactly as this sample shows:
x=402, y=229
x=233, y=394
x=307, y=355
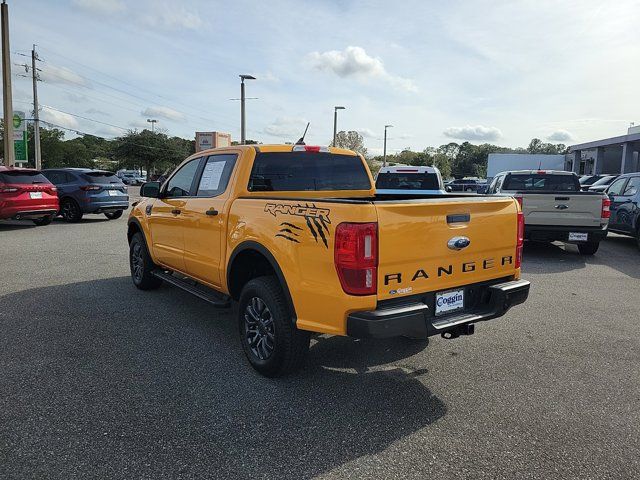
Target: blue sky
x=494, y=71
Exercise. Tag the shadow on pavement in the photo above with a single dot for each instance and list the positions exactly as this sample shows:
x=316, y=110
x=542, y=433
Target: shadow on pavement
x=540, y=257
x=7, y=225
x=101, y=379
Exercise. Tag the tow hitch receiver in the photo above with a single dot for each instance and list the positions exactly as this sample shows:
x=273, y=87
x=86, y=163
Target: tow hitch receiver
x=468, y=329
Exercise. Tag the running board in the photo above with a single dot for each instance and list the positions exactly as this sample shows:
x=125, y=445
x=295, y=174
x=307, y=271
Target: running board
x=208, y=295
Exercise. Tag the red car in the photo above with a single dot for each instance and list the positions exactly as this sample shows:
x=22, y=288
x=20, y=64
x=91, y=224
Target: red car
x=27, y=194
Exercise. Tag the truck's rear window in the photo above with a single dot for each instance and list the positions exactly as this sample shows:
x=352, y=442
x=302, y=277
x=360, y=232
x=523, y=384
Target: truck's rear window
x=542, y=182
x=22, y=177
x=407, y=181
x=307, y=171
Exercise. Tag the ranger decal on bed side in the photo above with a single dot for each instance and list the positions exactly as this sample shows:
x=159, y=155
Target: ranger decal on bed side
x=317, y=220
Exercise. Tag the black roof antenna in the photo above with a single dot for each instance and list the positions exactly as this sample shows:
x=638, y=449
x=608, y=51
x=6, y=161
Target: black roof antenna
x=301, y=139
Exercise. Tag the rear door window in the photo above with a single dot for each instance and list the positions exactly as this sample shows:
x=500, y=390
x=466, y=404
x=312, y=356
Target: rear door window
x=307, y=171
x=541, y=182
x=181, y=183
x=215, y=175
x=21, y=177
x=407, y=181
x=616, y=187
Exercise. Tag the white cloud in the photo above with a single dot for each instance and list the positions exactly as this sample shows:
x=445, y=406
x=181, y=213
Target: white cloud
x=163, y=112
x=355, y=62
x=286, y=127
x=478, y=132
x=96, y=111
x=366, y=132
x=560, y=136
x=61, y=75
x=100, y=6
x=267, y=77
x=59, y=118
x=107, y=131
x=170, y=17
x=76, y=97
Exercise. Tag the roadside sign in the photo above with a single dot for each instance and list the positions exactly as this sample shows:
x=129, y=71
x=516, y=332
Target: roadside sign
x=20, y=136
x=20, y=147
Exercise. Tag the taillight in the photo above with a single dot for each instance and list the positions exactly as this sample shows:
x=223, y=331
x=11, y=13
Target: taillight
x=606, y=208
x=8, y=189
x=519, y=239
x=89, y=187
x=356, y=257
x=519, y=200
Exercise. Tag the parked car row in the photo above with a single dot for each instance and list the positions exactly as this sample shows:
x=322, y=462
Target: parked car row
x=69, y=192
x=557, y=205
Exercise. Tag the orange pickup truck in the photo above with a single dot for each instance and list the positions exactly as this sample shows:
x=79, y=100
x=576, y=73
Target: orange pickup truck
x=298, y=236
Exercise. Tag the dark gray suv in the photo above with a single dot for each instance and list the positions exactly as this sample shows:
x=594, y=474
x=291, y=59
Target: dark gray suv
x=624, y=193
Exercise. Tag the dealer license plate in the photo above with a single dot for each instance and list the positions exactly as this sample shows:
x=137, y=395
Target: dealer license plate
x=578, y=237
x=447, y=302
x=35, y=195
x=114, y=193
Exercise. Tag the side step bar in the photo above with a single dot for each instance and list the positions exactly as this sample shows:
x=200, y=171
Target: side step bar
x=208, y=295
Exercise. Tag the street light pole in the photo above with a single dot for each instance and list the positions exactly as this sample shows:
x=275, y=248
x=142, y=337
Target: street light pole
x=153, y=122
x=242, y=110
x=384, y=152
x=335, y=123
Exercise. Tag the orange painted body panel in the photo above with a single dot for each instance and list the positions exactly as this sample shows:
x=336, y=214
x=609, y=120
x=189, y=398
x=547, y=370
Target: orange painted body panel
x=412, y=236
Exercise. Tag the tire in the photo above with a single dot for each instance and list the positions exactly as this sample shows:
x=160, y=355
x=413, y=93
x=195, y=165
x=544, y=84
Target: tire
x=41, y=222
x=588, y=248
x=113, y=215
x=70, y=211
x=272, y=343
x=141, y=264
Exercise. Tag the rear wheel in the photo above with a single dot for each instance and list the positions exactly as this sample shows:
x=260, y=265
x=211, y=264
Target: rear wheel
x=272, y=343
x=113, y=215
x=588, y=248
x=141, y=264
x=70, y=210
x=41, y=222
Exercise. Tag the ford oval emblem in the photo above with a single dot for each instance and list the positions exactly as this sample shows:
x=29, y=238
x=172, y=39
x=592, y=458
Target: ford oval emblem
x=458, y=243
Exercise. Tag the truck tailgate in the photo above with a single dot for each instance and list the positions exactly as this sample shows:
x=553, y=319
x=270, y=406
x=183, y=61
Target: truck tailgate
x=566, y=209
x=416, y=253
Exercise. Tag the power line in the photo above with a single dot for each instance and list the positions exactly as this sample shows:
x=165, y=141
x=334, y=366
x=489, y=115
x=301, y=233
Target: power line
x=86, y=118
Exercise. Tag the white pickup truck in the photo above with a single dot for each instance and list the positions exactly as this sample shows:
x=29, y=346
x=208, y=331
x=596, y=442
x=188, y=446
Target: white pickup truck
x=554, y=207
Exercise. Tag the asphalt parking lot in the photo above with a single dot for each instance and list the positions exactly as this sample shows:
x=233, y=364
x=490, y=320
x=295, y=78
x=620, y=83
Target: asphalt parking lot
x=100, y=380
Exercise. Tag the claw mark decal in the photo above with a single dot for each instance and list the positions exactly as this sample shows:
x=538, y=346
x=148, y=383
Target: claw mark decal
x=288, y=231
x=317, y=220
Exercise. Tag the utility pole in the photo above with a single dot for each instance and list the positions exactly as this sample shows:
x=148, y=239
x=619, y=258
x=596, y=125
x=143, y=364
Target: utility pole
x=242, y=111
x=335, y=123
x=384, y=152
x=153, y=122
x=9, y=154
x=36, y=114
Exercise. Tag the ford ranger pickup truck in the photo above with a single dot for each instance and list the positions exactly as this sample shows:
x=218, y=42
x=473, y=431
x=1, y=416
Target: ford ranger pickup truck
x=554, y=207
x=299, y=238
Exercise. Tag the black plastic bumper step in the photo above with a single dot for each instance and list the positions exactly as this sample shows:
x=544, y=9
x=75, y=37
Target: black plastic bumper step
x=208, y=295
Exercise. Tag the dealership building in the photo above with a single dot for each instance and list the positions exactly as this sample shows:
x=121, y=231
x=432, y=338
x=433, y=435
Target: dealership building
x=614, y=155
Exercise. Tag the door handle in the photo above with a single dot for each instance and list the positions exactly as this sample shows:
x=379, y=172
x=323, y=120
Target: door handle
x=212, y=212
x=176, y=212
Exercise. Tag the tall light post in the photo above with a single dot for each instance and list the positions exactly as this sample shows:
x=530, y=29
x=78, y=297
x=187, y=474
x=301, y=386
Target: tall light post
x=335, y=123
x=384, y=152
x=153, y=122
x=242, y=111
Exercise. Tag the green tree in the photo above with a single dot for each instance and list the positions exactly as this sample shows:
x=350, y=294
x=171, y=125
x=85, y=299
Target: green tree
x=351, y=140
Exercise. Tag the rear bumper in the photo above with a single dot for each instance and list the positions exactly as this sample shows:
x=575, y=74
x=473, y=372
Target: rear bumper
x=416, y=317
x=21, y=211
x=101, y=207
x=552, y=233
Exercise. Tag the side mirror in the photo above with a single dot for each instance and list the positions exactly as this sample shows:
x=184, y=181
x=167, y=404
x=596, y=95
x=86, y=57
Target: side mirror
x=448, y=188
x=150, y=190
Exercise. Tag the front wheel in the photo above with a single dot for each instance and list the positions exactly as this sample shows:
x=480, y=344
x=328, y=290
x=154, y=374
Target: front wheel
x=113, y=215
x=588, y=248
x=272, y=343
x=141, y=264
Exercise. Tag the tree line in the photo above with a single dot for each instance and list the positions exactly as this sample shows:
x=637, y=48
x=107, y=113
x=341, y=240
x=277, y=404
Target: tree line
x=157, y=152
